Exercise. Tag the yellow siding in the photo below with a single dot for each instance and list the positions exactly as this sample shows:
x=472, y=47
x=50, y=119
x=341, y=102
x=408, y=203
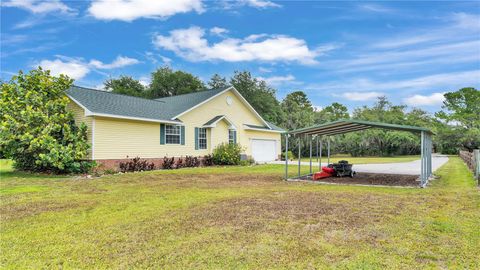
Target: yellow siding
x=79, y=116
x=219, y=133
x=238, y=113
x=118, y=138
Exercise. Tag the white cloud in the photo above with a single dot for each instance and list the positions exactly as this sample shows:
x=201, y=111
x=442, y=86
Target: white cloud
x=218, y=31
x=461, y=26
x=73, y=68
x=375, y=8
x=265, y=70
x=120, y=61
x=429, y=100
x=191, y=44
x=454, y=80
x=39, y=7
x=144, y=80
x=260, y=3
x=8, y=39
x=426, y=57
x=129, y=10
x=77, y=68
x=466, y=20
x=278, y=80
x=361, y=96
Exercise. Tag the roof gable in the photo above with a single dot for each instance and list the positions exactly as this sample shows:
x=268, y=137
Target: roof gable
x=181, y=103
x=239, y=96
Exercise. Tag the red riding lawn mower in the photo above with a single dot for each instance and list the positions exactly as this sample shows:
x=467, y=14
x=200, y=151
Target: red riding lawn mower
x=340, y=169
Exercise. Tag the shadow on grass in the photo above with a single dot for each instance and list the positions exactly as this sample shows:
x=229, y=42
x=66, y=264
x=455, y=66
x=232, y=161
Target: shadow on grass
x=8, y=172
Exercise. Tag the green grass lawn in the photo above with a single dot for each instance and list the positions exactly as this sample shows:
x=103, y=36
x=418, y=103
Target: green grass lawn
x=236, y=217
x=366, y=160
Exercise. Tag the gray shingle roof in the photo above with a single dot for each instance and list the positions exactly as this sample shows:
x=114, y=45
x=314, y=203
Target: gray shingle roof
x=213, y=120
x=266, y=128
x=103, y=102
x=274, y=127
x=180, y=103
x=162, y=109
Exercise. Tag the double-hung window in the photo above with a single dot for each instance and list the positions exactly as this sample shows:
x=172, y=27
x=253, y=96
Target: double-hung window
x=172, y=134
x=231, y=136
x=202, y=138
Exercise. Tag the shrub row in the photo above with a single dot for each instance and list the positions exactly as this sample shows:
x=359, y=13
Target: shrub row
x=223, y=154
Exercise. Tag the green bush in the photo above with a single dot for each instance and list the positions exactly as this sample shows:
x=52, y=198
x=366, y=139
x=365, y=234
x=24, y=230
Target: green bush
x=227, y=154
x=247, y=162
x=36, y=129
x=290, y=155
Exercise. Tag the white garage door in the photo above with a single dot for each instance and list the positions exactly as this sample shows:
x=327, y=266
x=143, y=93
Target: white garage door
x=263, y=150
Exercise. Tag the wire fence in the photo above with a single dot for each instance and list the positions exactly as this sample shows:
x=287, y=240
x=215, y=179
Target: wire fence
x=472, y=159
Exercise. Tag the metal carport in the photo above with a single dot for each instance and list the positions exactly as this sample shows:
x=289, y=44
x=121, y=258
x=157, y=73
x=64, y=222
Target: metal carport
x=320, y=132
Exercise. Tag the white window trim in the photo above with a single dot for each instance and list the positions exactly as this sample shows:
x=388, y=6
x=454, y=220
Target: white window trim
x=179, y=134
x=233, y=139
x=206, y=140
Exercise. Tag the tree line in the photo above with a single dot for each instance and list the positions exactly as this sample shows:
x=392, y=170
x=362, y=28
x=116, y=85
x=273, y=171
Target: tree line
x=39, y=133
x=456, y=126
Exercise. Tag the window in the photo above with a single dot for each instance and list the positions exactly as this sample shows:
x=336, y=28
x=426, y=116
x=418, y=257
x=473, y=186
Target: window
x=202, y=138
x=172, y=134
x=231, y=136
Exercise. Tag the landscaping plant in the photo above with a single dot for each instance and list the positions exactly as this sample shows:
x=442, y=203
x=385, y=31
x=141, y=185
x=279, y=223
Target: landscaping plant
x=37, y=131
x=136, y=165
x=191, y=161
x=208, y=160
x=179, y=164
x=227, y=154
x=168, y=163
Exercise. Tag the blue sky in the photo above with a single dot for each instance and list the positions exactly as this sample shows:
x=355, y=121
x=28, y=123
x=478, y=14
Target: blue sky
x=343, y=51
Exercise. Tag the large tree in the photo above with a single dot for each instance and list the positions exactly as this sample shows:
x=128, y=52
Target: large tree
x=259, y=95
x=463, y=107
x=298, y=109
x=333, y=112
x=299, y=113
x=381, y=141
x=217, y=81
x=125, y=85
x=462, y=114
x=37, y=131
x=167, y=82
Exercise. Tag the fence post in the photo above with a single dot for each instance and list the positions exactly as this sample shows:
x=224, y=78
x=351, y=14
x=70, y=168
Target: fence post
x=476, y=160
x=286, y=156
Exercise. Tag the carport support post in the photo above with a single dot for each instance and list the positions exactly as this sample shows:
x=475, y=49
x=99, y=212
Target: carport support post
x=422, y=159
x=299, y=154
x=286, y=156
x=328, y=150
x=310, y=154
x=320, y=160
x=316, y=137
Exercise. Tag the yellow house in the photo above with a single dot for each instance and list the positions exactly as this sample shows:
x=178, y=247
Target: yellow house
x=121, y=126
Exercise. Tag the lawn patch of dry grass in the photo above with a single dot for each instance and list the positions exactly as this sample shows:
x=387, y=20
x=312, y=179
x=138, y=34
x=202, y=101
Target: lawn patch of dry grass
x=237, y=218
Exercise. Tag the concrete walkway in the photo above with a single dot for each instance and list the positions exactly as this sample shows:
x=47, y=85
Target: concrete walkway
x=410, y=168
